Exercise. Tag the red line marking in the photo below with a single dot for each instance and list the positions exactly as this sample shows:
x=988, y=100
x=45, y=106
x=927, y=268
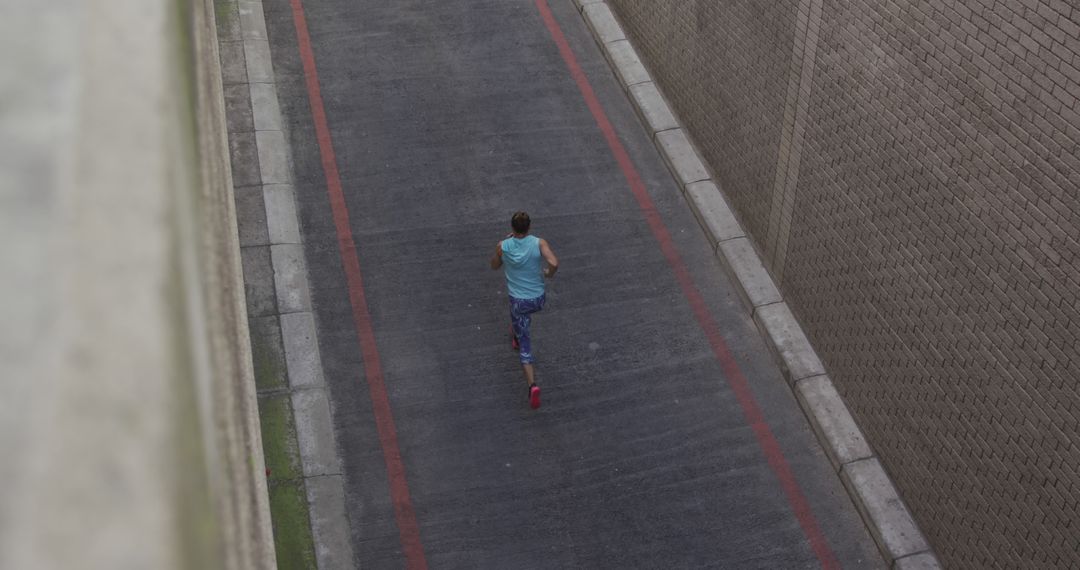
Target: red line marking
x=408, y=529
x=736, y=380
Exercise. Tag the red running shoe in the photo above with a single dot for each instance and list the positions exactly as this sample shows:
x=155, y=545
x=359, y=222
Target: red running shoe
x=534, y=396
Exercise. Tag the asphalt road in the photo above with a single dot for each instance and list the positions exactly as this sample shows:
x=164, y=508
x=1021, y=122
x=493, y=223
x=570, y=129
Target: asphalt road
x=445, y=117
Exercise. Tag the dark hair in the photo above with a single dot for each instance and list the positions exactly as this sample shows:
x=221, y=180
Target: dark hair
x=520, y=222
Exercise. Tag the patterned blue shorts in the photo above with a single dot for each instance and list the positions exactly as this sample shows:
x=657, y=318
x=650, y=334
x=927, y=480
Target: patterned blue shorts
x=521, y=311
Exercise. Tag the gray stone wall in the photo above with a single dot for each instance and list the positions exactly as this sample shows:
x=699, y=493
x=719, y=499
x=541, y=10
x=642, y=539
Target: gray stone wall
x=128, y=428
x=910, y=172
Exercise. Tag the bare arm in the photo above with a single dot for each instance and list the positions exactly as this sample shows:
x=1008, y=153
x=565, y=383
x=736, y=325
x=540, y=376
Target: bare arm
x=496, y=260
x=549, y=257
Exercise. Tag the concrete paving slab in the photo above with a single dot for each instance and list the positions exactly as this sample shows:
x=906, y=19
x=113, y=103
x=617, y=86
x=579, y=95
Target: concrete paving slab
x=290, y=278
x=281, y=221
x=603, y=22
x=266, y=114
x=756, y=285
x=314, y=433
x=924, y=561
x=233, y=64
x=329, y=523
x=628, y=66
x=653, y=108
x=252, y=23
x=227, y=19
x=238, y=109
x=259, y=67
x=268, y=353
x=273, y=157
x=713, y=212
x=258, y=281
x=676, y=149
x=878, y=502
x=251, y=216
x=787, y=340
x=836, y=429
x=301, y=350
x=244, y=155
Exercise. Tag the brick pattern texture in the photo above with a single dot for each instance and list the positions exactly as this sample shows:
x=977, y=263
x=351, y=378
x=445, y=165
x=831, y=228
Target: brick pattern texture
x=934, y=245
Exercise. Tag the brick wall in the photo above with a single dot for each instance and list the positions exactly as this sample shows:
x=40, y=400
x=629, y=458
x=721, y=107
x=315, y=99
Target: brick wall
x=910, y=171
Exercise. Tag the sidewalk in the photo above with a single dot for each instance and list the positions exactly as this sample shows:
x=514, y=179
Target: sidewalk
x=305, y=482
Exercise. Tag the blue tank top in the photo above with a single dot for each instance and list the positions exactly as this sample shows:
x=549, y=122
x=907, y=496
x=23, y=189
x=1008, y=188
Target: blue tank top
x=521, y=263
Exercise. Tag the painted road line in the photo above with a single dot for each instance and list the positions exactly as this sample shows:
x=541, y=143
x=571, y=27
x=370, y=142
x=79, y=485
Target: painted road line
x=739, y=385
x=836, y=430
x=408, y=529
x=311, y=411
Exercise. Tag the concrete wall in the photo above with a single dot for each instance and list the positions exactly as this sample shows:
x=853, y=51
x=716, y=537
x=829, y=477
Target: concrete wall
x=910, y=172
x=128, y=431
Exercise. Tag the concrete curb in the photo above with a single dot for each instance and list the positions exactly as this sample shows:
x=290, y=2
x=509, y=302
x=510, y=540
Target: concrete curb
x=755, y=285
x=786, y=339
x=831, y=422
x=625, y=60
x=652, y=107
x=312, y=413
x=681, y=157
x=302, y=360
x=326, y=497
x=290, y=278
x=713, y=212
x=602, y=22
x=253, y=539
x=886, y=516
x=878, y=502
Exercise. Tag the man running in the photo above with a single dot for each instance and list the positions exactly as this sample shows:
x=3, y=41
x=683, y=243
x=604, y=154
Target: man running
x=520, y=257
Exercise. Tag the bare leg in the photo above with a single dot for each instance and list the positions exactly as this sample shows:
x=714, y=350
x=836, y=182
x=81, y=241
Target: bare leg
x=530, y=376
